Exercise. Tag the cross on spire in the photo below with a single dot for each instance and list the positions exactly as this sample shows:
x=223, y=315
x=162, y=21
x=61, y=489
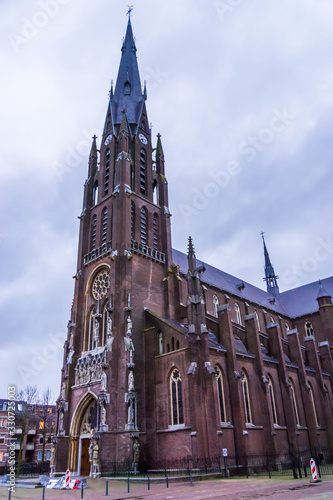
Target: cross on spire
x=130, y=8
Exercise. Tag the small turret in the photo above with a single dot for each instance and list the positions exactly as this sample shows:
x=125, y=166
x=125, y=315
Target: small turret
x=270, y=276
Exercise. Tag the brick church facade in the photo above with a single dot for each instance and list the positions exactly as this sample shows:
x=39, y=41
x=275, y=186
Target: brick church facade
x=166, y=357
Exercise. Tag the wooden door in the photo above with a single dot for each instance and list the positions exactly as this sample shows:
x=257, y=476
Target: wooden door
x=85, y=464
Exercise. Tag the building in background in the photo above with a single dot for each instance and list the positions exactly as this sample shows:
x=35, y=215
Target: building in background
x=39, y=428
x=169, y=358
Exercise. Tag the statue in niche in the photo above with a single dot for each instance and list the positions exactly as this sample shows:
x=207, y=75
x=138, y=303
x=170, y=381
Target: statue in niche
x=109, y=326
x=129, y=346
x=130, y=415
x=103, y=415
x=136, y=451
x=61, y=420
x=63, y=390
x=91, y=449
x=103, y=381
x=96, y=333
x=95, y=454
x=129, y=326
x=109, y=342
x=130, y=381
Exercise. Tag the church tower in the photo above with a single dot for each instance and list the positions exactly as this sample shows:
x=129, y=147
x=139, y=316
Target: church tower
x=124, y=253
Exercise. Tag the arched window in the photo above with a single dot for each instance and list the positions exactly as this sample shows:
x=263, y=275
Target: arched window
x=143, y=171
x=257, y=319
x=144, y=226
x=107, y=172
x=168, y=347
x=173, y=343
x=287, y=327
x=220, y=394
x=160, y=343
x=132, y=178
x=155, y=193
x=308, y=329
x=127, y=88
x=293, y=397
x=246, y=398
x=133, y=220
x=104, y=226
x=105, y=325
x=91, y=330
x=177, y=417
x=238, y=314
x=95, y=193
x=216, y=304
x=177, y=345
x=143, y=125
x=272, y=400
x=155, y=231
x=313, y=405
x=93, y=233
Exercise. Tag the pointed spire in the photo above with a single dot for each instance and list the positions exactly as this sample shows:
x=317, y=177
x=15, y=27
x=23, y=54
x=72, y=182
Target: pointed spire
x=270, y=276
x=191, y=258
x=93, y=158
x=190, y=248
x=124, y=123
x=159, y=148
x=322, y=292
x=128, y=91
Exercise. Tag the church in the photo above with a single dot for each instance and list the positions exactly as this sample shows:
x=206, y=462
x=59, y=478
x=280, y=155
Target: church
x=168, y=358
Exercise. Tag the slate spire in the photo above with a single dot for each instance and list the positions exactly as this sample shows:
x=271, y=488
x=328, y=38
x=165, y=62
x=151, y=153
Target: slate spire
x=128, y=91
x=270, y=276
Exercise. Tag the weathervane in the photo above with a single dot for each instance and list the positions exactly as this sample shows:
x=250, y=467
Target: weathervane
x=262, y=234
x=130, y=8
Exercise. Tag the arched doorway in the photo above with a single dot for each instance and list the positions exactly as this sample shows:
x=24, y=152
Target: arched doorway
x=84, y=424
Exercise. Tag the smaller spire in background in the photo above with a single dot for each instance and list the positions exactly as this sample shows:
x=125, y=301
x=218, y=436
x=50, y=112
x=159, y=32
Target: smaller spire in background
x=270, y=276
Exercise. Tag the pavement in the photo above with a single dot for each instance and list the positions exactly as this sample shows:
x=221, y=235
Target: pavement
x=215, y=489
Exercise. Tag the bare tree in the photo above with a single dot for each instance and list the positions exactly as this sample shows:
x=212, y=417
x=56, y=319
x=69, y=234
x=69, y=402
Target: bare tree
x=46, y=420
x=26, y=419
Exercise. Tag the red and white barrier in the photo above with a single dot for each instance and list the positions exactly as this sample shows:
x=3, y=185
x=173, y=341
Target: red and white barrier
x=313, y=470
x=67, y=479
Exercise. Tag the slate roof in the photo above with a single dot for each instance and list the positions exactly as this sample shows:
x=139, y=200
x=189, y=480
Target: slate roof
x=128, y=72
x=299, y=301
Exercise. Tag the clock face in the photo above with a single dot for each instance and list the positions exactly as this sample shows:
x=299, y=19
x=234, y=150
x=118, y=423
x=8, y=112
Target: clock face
x=101, y=284
x=143, y=139
x=108, y=140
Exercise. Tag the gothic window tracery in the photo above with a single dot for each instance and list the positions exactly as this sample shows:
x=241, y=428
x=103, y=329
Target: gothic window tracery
x=238, y=314
x=272, y=399
x=313, y=405
x=155, y=231
x=105, y=226
x=107, y=172
x=246, y=398
x=94, y=232
x=132, y=220
x=155, y=193
x=308, y=329
x=294, y=402
x=105, y=324
x=177, y=417
x=220, y=394
x=144, y=225
x=91, y=330
x=143, y=171
x=160, y=343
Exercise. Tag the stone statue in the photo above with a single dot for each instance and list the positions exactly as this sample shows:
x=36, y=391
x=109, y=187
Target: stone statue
x=136, y=451
x=95, y=455
x=130, y=381
x=63, y=390
x=91, y=449
x=96, y=332
x=129, y=346
x=52, y=459
x=109, y=342
x=129, y=326
x=103, y=381
x=130, y=415
x=103, y=415
x=109, y=326
x=61, y=420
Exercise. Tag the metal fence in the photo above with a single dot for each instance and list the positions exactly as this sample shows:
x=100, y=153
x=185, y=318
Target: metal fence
x=28, y=468
x=250, y=465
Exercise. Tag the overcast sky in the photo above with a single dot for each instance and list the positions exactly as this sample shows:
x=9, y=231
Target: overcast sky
x=242, y=93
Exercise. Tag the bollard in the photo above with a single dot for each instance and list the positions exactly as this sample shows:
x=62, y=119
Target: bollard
x=107, y=488
x=43, y=497
x=167, y=481
x=191, y=479
x=81, y=489
x=128, y=484
x=9, y=494
x=148, y=483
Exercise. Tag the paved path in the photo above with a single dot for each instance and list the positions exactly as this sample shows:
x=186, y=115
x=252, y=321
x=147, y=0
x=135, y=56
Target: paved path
x=231, y=489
